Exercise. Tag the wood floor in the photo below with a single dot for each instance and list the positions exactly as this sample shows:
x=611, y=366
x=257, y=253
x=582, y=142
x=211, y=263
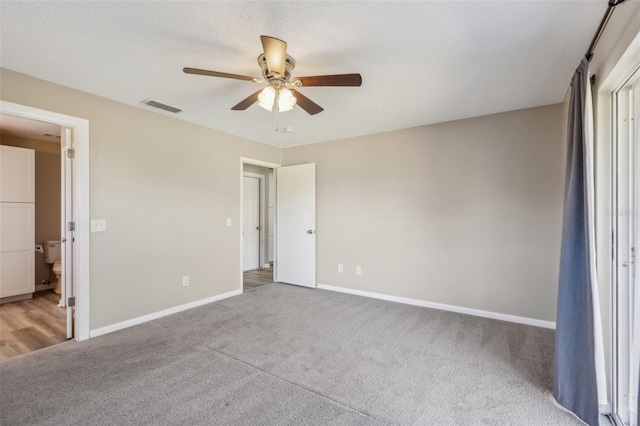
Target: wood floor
x=253, y=279
x=32, y=324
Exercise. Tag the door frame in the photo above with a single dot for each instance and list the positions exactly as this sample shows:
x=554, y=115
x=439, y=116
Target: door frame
x=242, y=162
x=66, y=212
x=623, y=208
x=81, y=196
x=612, y=78
x=261, y=198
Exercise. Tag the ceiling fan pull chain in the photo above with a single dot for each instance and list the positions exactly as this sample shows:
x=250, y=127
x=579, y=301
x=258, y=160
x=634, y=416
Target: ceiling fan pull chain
x=277, y=121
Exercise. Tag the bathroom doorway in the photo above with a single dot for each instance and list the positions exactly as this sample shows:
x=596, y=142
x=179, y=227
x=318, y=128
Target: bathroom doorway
x=257, y=225
x=44, y=256
x=30, y=300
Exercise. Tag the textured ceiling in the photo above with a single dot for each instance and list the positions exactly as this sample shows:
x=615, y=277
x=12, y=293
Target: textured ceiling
x=27, y=128
x=421, y=62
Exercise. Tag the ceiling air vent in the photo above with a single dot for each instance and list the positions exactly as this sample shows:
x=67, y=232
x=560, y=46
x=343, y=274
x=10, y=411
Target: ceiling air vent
x=161, y=106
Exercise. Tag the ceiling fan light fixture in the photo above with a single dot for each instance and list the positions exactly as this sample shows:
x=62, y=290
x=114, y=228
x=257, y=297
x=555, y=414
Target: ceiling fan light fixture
x=286, y=100
x=267, y=98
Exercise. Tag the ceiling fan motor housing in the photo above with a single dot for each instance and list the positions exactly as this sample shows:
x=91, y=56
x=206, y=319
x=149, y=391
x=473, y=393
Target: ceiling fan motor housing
x=289, y=65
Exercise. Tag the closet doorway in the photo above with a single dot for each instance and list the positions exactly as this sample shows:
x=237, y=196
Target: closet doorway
x=257, y=224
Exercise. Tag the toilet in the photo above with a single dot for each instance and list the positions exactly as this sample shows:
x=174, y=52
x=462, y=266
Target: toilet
x=57, y=269
x=52, y=250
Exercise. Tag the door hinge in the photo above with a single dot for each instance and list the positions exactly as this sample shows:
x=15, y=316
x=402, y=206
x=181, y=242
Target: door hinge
x=71, y=302
x=71, y=153
x=71, y=226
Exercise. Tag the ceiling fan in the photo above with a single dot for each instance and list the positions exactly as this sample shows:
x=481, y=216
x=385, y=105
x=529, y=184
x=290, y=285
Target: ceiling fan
x=276, y=68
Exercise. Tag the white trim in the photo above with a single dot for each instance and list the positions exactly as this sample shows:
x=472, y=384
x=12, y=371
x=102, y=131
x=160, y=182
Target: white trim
x=260, y=163
x=81, y=197
x=625, y=66
x=244, y=160
x=442, y=307
x=624, y=159
x=155, y=315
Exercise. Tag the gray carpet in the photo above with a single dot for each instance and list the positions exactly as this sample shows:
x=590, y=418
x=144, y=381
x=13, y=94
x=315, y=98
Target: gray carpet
x=286, y=355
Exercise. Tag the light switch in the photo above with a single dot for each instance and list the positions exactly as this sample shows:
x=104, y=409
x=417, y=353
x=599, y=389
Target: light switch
x=228, y=221
x=98, y=225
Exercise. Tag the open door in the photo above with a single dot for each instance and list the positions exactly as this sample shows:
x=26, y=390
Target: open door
x=67, y=299
x=296, y=225
x=250, y=223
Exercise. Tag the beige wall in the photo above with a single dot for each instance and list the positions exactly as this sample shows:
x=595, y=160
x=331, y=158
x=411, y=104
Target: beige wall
x=165, y=188
x=466, y=213
x=47, y=207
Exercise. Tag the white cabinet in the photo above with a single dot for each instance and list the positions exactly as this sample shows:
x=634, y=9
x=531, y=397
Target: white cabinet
x=17, y=216
x=17, y=175
x=17, y=253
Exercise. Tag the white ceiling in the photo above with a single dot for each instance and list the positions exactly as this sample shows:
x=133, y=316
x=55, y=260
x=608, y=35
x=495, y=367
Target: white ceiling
x=421, y=62
x=27, y=128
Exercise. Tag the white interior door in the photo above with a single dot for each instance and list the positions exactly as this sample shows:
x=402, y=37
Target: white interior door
x=250, y=223
x=272, y=216
x=17, y=221
x=296, y=225
x=66, y=231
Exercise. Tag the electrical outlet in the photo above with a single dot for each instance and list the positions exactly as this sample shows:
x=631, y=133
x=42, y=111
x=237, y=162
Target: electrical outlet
x=358, y=270
x=229, y=222
x=340, y=267
x=185, y=281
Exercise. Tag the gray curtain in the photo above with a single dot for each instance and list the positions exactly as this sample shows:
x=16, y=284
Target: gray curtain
x=575, y=370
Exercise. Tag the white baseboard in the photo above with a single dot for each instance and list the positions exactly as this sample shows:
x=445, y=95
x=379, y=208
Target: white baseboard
x=441, y=306
x=155, y=315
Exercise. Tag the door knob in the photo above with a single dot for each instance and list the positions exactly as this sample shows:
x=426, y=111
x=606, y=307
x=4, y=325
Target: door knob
x=310, y=231
x=64, y=240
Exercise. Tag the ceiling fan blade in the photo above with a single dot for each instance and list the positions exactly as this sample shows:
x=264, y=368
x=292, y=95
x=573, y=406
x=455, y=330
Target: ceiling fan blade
x=218, y=74
x=306, y=104
x=275, y=52
x=247, y=102
x=331, y=80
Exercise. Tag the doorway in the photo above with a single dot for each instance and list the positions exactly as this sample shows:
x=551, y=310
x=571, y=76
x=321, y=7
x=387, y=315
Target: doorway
x=258, y=223
x=252, y=226
x=288, y=225
x=33, y=187
x=71, y=269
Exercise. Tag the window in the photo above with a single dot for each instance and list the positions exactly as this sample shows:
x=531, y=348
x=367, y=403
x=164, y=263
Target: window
x=626, y=237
